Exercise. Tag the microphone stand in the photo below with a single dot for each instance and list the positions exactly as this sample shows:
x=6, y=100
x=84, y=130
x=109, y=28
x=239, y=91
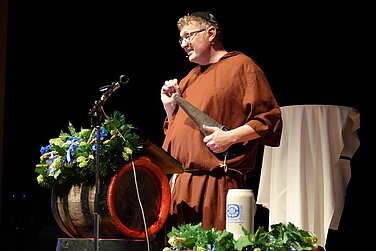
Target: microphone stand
x=96, y=114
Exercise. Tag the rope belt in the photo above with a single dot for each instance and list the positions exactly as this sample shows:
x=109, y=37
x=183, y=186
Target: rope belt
x=217, y=172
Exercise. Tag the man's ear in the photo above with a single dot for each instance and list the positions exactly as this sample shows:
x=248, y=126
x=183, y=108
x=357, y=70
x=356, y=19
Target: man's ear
x=212, y=32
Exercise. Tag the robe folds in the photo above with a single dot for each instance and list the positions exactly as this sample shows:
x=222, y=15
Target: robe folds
x=234, y=91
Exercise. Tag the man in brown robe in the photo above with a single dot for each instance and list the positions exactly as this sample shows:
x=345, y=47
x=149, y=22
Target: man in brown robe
x=232, y=89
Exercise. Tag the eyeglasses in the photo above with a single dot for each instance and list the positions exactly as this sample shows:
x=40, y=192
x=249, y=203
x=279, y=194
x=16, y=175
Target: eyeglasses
x=189, y=36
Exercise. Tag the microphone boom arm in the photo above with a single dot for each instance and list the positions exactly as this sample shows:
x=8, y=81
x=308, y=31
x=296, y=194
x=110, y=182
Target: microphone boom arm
x=111, y=89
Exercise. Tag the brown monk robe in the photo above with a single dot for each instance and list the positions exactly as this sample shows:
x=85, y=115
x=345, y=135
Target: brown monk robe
x=234, y=91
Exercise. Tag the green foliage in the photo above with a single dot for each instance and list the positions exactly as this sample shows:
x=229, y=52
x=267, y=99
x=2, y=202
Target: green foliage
x=282, y=237
x=188, y=236
x=71, y=157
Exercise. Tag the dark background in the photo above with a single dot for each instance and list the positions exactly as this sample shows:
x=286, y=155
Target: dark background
x=59, y=52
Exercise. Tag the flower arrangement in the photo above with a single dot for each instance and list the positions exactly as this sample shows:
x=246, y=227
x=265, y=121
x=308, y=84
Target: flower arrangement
x=71, y=157
x=282, y=237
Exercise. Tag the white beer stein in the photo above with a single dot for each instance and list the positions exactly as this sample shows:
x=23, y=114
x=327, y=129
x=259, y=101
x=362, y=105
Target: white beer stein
x=240, y=211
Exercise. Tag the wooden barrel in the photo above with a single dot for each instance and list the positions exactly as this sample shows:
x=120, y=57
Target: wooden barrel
x=120, y=212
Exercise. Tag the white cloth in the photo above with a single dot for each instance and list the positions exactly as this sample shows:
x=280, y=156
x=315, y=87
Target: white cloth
x=304, y=181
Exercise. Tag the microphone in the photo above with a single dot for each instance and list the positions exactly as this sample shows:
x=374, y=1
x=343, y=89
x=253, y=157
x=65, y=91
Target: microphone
x=107, y=91
x=123, y=79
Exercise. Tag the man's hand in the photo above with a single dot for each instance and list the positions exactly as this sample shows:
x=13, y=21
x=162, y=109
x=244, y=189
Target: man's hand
x=168, y=90
x=218, y=140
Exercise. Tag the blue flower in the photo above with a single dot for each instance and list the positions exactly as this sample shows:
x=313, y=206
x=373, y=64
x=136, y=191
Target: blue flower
x=103, y=134
x=51, y=159
x=73, y=143
x=65, y=160
x=45, y=149
x=94, y=148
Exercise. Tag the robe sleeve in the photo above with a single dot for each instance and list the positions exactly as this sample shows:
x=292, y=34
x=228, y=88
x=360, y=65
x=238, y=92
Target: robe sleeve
x=265, y=115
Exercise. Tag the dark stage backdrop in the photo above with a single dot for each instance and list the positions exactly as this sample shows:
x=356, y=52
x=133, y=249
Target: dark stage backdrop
x=61, y=51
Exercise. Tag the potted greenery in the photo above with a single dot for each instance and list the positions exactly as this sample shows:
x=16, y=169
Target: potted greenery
x=282, y=237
